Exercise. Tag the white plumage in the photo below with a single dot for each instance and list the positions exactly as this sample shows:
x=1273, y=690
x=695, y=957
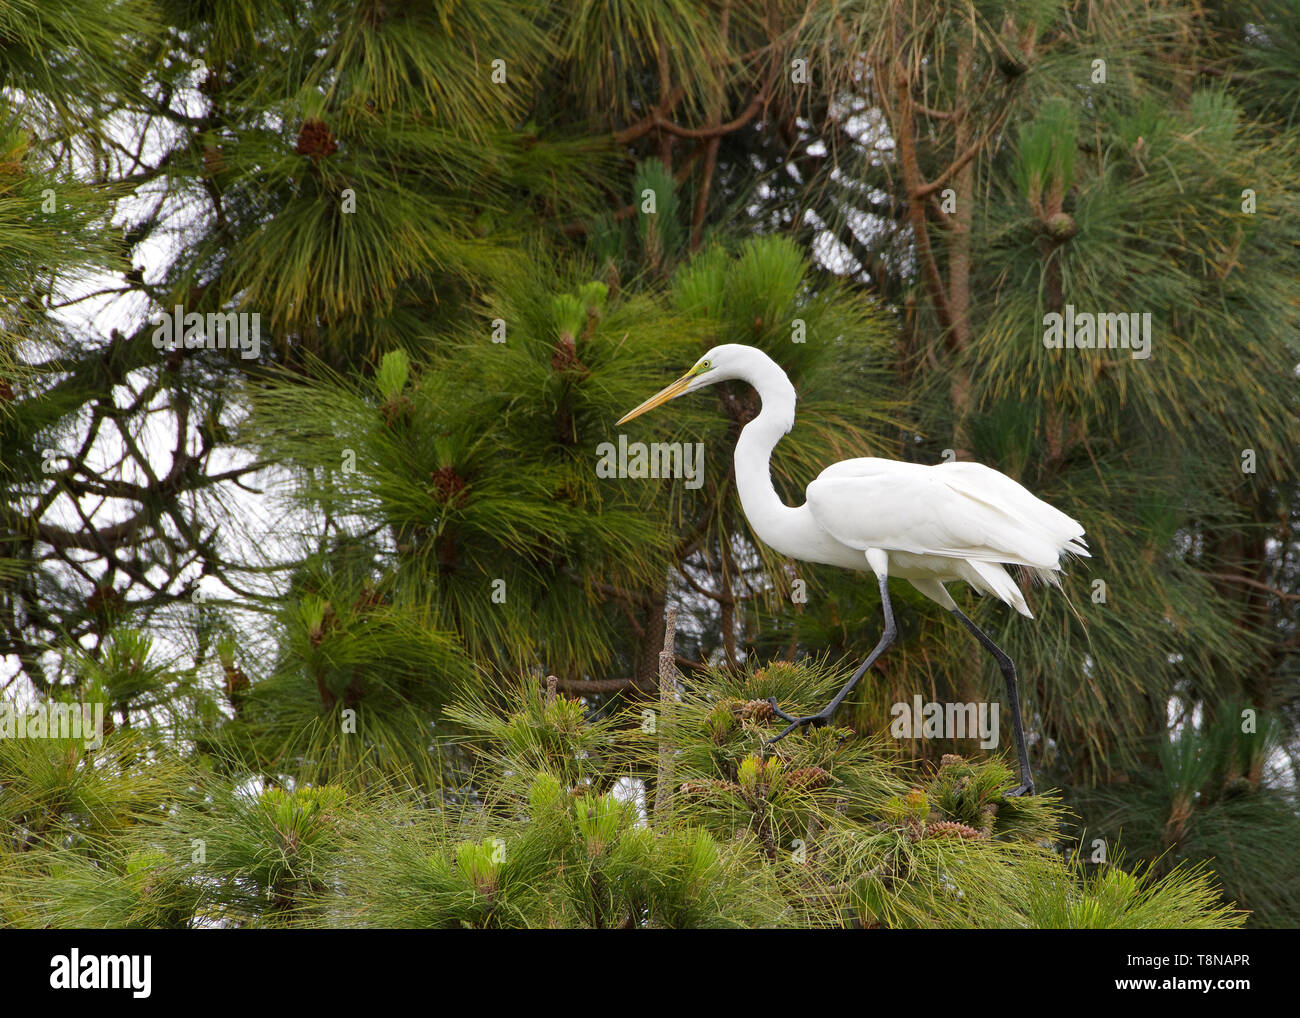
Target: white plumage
x=928, y=525
x=952, y=521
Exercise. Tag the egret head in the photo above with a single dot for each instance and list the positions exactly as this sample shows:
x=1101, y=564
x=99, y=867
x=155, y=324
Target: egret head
x=717, y=365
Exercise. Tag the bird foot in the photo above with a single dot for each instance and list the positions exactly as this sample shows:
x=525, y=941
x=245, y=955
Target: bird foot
x=1019, y=790
x=818, y=720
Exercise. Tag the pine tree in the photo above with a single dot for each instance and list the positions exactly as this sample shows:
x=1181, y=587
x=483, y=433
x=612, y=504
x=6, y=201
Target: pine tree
x=474, y=238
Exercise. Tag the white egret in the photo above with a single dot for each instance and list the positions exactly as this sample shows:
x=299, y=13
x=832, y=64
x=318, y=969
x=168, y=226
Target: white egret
x=928, y=525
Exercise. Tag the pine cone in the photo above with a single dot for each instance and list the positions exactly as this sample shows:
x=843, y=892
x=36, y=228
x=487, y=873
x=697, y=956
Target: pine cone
x=448, y=486
x=316, y=140
x=757, y=710
x=810, y=778
x=952, y=829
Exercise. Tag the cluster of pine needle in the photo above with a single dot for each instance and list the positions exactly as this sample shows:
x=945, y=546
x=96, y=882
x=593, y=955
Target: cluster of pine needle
x=550, y=818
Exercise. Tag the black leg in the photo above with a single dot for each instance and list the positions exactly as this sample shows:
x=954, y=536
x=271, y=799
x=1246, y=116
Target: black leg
x=823, y=716
x=1013, y=698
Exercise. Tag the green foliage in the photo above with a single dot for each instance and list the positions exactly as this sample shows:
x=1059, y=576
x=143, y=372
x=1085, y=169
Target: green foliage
x=1048, y=147
x=361, y=678
x=1113, y=898
x=1196, y=805
x=437, y=211
x=659, y=231
x=556, y=833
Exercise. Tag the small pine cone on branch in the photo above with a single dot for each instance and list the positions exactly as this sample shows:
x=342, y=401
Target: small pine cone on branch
x=316, y=140
x=448, y=486
x=757, y=710
x=810, y=778
x=952, y=829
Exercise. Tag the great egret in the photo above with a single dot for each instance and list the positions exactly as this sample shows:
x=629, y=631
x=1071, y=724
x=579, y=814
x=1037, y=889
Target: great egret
x=928, y=525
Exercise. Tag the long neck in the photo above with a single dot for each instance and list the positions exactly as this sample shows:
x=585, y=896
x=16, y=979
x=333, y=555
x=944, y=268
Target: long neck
x=770, y=518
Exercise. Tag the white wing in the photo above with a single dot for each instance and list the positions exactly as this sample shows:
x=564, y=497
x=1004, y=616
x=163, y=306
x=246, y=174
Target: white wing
x=953, y=510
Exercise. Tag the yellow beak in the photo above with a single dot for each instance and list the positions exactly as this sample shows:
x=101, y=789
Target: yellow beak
x=662, y=396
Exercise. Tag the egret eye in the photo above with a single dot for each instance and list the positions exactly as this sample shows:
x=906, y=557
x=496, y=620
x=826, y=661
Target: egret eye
x=705, y=365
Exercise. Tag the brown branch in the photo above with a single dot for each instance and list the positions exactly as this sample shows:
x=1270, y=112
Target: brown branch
x=958, y=244
x=723, y=597
x=643, y=127
x=717, y=130
x=936, y=114
x=915, y=184
x=1234, y=578
x=586, y=687
x=972, y=150
x=702, y=194
x=116, y=534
